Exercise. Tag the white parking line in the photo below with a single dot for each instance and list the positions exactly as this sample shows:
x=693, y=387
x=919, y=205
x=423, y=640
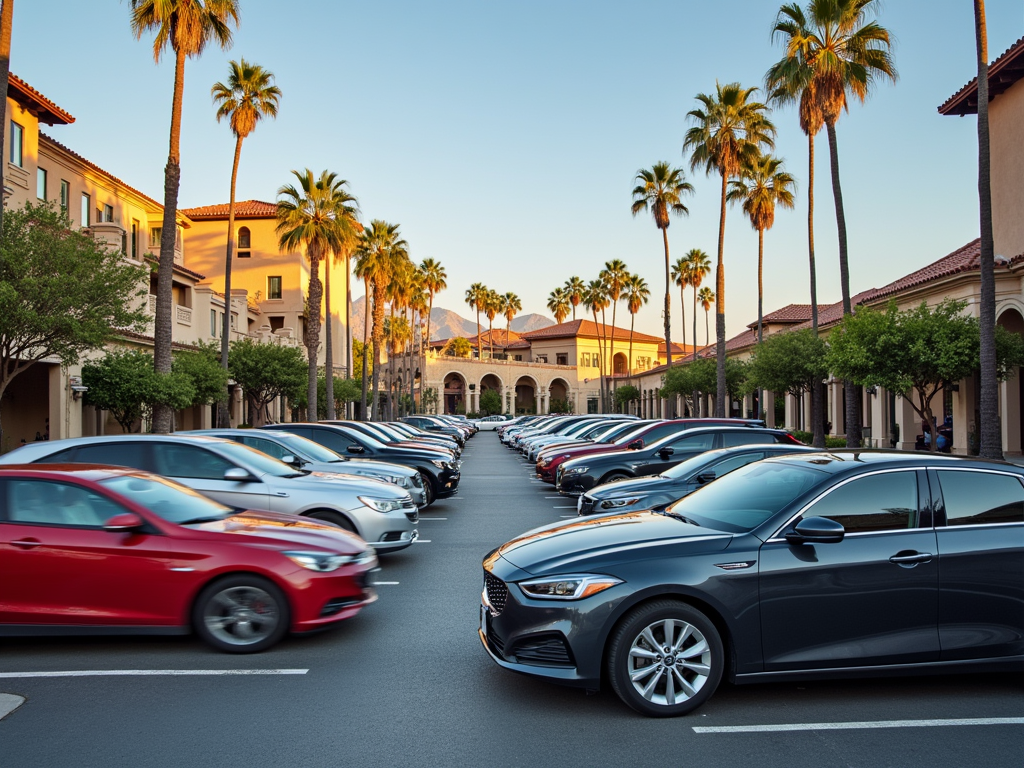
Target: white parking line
x=422, y=541
x=857, y=725
x=153, y=673
x=433, y=518
x=8, y=703
x=568, y=517
x=571, y=506
x=384, y=583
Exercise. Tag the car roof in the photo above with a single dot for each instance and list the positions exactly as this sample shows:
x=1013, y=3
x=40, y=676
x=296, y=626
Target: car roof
x=854, y=459
x=93, y=472
x=34, y=450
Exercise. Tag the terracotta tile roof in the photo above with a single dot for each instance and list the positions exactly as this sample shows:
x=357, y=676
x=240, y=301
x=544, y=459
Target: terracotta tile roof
x=499, y=337
x=677, y=349
x=44, y=109
x=519, y=344
x=964, y=259
x=1002, y=74
x=244, y=209
x=179, y=269
x=144, y=337
x=791, y=313
x=588, y=329
x=44, y=139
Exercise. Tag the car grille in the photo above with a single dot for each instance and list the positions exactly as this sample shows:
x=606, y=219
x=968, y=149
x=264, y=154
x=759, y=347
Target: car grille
x=497, y=592
x=414, y=516
x=548, y=651
x=337, y=605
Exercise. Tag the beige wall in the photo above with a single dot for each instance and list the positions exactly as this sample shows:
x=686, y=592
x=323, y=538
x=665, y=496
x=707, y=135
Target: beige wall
x=1006, y=133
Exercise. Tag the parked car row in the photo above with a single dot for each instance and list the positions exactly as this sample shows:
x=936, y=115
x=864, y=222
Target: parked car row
x=238, y=534
x=742, y=555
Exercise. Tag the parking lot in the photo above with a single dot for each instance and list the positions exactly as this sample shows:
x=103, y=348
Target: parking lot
x=407, y=683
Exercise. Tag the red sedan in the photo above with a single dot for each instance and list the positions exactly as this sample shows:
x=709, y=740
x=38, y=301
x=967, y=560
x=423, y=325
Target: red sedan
x=88, y=549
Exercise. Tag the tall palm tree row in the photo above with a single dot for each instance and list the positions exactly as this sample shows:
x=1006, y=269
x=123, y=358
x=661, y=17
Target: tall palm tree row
x=575, y=288
x=476, y=298
x=400, y=287
x=660, y=190
x=637, y=293
x=492, y=308
x=510, y=305
x=248, y=96
x=846, y=52
x=699, y=268
x=307, y=218
x=729, y=130
x=614, y=276
x=559, y=304
x=435, y=280
x=681, y=277
x=706, y=297
x=186, y=27
x=346, y=213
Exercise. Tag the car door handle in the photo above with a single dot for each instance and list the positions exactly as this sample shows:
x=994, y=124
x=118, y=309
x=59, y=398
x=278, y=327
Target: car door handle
x=910, y=558
x=26, y=543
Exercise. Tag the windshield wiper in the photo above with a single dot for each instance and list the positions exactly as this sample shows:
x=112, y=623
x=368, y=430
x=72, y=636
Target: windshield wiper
x=677, y=516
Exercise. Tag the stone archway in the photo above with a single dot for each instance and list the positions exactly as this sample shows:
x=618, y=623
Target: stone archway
x=455, y=391
x=1011, y=391
x=620, y=364
x=526, y=394
x=558, y=394
x=491, y=382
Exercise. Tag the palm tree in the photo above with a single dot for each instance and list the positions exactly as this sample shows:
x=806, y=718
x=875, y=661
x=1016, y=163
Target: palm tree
x=846, y=53
x=492, y=308
x=614, y=275
x=681, y=277
x=706, y=297
x=575, y=288
x=347, y=218
x=991, y=443
x=186, y=26
x=728, y=130
x=400, y=288
x=637, y=294
x=699, y=268
x=476, y=297
x=762, y=185
x=595, y=300
x=559, y=304
x=417, y=306
x=380, y=248
x=248, y=96
x=307, y=218
x=510, y=306
x=435, y=280
x=660, y=190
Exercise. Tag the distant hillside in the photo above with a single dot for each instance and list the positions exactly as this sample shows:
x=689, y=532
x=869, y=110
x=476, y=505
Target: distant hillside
x=445, y=324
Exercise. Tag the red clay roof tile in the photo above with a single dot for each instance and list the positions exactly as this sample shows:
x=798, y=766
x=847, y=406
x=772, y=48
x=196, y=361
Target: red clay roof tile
x=1002, y=74
x=45, y=110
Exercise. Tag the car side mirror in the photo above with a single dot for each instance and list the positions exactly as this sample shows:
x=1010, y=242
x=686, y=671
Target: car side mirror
x=705, y=477
x=816, y=530
x=665, y=452
x=636, y=445
x=355, y=449
x=290, y=459
x=238, y=475
x=126, y=522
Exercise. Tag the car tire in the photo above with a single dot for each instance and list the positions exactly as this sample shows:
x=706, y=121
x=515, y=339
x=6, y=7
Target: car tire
x=612, y=476
x=677, y=684
x=243, y=613
x=332, y=518
x=428, y=488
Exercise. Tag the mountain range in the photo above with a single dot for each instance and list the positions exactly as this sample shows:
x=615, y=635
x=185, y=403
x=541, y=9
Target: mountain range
x=445, y=324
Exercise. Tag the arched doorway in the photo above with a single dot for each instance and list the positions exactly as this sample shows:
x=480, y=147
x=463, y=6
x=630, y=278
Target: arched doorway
x=526, y=395
x=558, y=397
x=1011, y=391
x=621, y=365
x=491, y=383
x=454, y=393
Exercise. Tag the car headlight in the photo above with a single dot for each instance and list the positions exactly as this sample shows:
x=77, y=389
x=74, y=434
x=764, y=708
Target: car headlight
x=439, y=464
x=381, y=505
x=545, y=462
x=324, y=562
x=576, y=470
x=613, y=503
x=567, y=587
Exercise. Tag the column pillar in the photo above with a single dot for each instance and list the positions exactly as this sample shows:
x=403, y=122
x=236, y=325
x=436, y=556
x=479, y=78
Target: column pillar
x=536, y=398
x=792, y=412
x=880, y=419
x=808, y=412
x=748, y=405
x=1009, y=414
x=837, y=407
x=964, y=418
x=769, y=409
x=58, y=427
x=909, y=423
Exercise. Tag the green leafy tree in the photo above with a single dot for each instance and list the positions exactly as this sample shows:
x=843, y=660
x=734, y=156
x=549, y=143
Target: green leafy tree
x=490, y=402
x=626, y=395
x=267, y=371
x=125, y=383
x=637, y=293
x=791, y=362
x=459, y=347
x=702, y=376
x=344, y=391
x=557, y=405
x=202, y=368
x=60, y=294
x=359, y=357
x=186, y=27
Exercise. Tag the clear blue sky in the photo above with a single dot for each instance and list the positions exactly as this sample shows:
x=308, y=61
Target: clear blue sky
x=504, y=137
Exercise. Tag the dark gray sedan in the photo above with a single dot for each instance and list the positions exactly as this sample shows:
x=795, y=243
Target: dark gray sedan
x=843, y=564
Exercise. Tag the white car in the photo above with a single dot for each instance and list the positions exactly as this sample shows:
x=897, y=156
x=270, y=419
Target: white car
x=489, y=423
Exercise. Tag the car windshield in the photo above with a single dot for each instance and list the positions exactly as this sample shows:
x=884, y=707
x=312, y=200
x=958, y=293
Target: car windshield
x=631, y=435
x=686, y=468
x=309, y=449
x=748, y=496
x=257, y=460
x=173, y=502
x=610, y=433
x=364, y=439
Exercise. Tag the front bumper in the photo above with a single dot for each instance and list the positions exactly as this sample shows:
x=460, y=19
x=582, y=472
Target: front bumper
x=574, y=485
x=321, y=600
x=448, y=482
x=387, y=531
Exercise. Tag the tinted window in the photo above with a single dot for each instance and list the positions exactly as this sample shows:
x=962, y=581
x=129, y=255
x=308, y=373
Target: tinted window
x=336, y=441
x=702, y=442
x=42, y=502
x=57, y=458
x=265, y=446
x=305, y=432
x=729, y=439
x=173, y=502
x=735, y=462
x=118, y=454
x=882, y=502
x=177, y=460
x=309, y=449
x=974, y=498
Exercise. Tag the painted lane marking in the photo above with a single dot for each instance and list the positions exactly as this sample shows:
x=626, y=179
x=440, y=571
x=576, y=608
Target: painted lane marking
x=8, y=703
x=858, y=725
x=571, y=506
x=568, y=517
x=384, y=583
x=433, y=518
x=154, y=673
x=422, y=541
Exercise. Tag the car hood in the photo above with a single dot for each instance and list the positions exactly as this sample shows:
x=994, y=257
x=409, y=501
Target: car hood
x=617, y=455
x=414, y=445
x=353, y=483
x=598, y=542
x=639, y=485
x=574, y=452
x=287, y=530
x=379, y=467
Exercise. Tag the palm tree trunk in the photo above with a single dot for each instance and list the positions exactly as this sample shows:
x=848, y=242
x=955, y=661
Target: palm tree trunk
x=163, y=325
x=852, y=400
x=668, y=301
x=479, y=345
x=707, y=331
x=991, y=443
x=721, y=396
x=817, y=389
x=632, y=323
x=6, y=24
x=682, y=314
x=349, y=368
x=366, y=342
x=328, y=341
x=378, y=340
x=695, y=323
x=392, y=352
x=425, y=349
x=313, y=331
x=223, y=416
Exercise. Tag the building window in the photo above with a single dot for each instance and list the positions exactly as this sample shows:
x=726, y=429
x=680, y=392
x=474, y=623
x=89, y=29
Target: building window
x=542, y=358
x=585, y=359
x=65, y=195
x=182, y=296
x=562, y=358
x=41, y=183
x=213, y=323
x=86, y=209
x=244, y=238
x=244, y=254
x=135, y=239
x=276, y=323
x=274, y=287
x=17, y=144
x=597, y=360
x=519, y=358
x=108, y=213
x=154, y=236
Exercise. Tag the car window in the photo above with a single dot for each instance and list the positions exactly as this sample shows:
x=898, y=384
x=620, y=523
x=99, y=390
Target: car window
x=336, y=441
x=119, y=454
x=59, y=457
x=729, y=439
x=883, y=502
x=973, y=498
x=310, y=449
x=173, y=502
x=42, y=502
x=305, y=432
x=179, y=460
x=735, y=462
x=705, y=441
x=265, y=446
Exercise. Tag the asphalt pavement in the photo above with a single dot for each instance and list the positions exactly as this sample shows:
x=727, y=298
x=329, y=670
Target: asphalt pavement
x=406, y=683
